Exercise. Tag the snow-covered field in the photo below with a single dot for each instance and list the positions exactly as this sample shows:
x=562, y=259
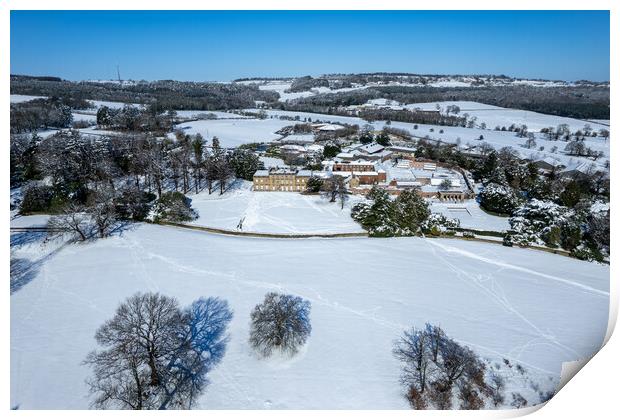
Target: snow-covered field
x=470, y=215
x=91, y=118
x=272, y=162
x=272, y=212
x=16, y=99
x=494, y=116
x=218, y=114
x=281, y=86
x=531, y=307
x=233, y=133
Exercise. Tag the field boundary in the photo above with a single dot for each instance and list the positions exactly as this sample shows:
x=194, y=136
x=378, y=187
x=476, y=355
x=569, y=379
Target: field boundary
x=343, y=235
x=227, y=232
x=266, y=235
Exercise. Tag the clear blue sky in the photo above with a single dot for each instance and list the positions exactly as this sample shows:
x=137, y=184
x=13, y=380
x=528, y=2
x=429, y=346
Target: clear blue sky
x=567, y=45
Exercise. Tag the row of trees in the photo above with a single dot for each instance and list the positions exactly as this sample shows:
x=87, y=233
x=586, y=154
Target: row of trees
x=40, y=114
x=413, y=116
x=95, y=185
x=132, y=118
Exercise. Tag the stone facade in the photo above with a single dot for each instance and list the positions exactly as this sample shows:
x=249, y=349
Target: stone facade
x=277, y=179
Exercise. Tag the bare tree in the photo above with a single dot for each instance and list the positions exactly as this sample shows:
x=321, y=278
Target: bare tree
x=335, y=188
x=280, y=322
x=156, y=355
x=75, y=219
x=531, y=141
x=434, y=365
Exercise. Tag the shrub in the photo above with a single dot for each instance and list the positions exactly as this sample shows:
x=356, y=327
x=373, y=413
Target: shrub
x=314, y=184
x=41, y=198
x=499, y=199
x=384, y=217
x=173, y=207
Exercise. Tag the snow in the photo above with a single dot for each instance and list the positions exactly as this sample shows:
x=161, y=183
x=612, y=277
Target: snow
x=272, y=162
x=494, y=116
x=111, y=105
x=218, y=114
x=77, y=116
x=16, y=99
x=233, y=133
x=470, y=215
x=531, y=307
x=272, y=212
x=281, y=87
x=36, y=220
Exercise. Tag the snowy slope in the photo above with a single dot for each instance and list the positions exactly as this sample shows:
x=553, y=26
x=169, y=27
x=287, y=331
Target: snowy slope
x=531, y=307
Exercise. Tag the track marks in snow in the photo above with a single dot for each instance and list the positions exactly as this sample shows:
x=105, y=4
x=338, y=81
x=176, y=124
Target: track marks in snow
x=502, y=264
x=500, y=297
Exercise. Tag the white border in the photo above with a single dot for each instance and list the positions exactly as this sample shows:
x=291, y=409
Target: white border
x=591, y=395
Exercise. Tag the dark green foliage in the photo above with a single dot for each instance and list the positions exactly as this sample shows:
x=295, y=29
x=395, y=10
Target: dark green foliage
x=553, y=237
x=40, y=114
x=23, y=158
x=305, y=83
x=411, y=211
x=314, y=184
x=366, y=137
x=385, y=217
x=331, y=150
x=499, y=199
x=573, y=192
x=173, y=207
x=383, y=139
x=570, y=236
x=244, y=163
x=134, y=204
x=38, y=198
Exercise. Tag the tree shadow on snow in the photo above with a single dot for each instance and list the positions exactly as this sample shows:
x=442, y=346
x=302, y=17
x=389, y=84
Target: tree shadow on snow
x=26, y=238
x=23, y=271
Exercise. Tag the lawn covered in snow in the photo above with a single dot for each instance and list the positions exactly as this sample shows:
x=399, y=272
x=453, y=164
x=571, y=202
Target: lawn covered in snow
x=470, y=215
x=233, y=133
x=272, y=212
x=535, y=308
x=494, y=116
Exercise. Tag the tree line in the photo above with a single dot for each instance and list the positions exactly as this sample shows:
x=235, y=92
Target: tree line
x=95, y=184
x=162, y=95
x=580, y=101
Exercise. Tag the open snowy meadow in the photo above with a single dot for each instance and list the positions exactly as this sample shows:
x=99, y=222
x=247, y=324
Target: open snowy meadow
x=272, y=212
x=235, y=132
x=531, y=307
